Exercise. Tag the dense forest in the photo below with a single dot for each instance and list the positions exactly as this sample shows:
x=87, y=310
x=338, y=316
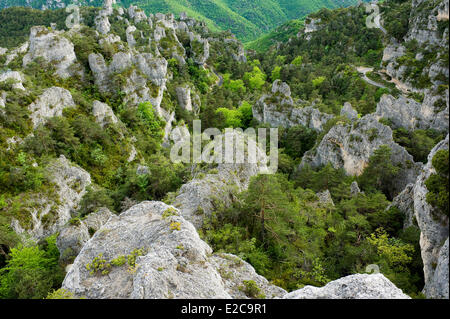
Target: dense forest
x=279, y=224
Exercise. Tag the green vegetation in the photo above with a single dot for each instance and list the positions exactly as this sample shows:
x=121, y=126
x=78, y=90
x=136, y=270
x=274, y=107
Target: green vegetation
x=437, y=184
x=31, y=271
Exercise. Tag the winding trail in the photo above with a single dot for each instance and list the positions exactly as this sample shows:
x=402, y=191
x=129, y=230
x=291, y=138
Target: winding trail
x=364, y=70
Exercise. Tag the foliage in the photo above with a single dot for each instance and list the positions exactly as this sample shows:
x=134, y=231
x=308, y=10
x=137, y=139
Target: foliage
x=438, y=183
x=31, y=271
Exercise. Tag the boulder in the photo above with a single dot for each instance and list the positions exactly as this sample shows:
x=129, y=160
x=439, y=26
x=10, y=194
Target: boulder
x=50, y=103
x=167, y=259
x=358, y=286
x=53, y=47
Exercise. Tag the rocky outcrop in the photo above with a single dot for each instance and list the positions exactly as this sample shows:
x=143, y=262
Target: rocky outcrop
x=200, y=48
x=13, y=77
x=170, y=261
x=72, y=237
x=197, y=198
x=145, y=76
x=54, y=48
x=278, y=109
x=434, y=234
x=358, y=286
x=425, y=28
x=51, y=103
x=405, y=203
x=410, y=114
x=350, y=145
x=49, y=213
x=348, y=111
x=136, y=14
x=103, y=113
x=184, y=97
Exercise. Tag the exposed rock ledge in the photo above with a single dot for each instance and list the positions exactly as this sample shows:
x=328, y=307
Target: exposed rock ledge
x=176, y=262
x=359, y=286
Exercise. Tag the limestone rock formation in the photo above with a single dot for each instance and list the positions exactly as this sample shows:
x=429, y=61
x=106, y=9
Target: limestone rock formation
x=358, y=286
x=171, y=260
x=72, y=237
x=405, y=203
x=103, y=113
x=196, y=199
x=14, y=77
x=348, y=111
x=434, y=234
x=350, y=145
x=278, y=109
x=410, y=114
x=50, y=214
x=49, y=104
x=53, y=48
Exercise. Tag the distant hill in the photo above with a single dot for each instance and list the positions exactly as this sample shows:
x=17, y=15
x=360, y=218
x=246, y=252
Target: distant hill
x=247, y=19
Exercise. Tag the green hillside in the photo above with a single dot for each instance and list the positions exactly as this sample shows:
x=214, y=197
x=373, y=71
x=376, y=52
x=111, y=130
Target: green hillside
x=247, y=19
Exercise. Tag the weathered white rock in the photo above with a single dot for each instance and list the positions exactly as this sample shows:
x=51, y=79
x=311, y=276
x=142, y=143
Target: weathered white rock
x=53, y=48
x=102, y=24
x=354, y=188
x=359, y=286
x=136, y=14
x=348, y=111
x=325, y=198
x=434, y=234
x=176, y=263
x=184, y=97
x=13, y=76
x=350, y=145
x=196, y=198
x=410, y=114
x=51, y=103
x=405, y=203
x=49, y=214
x=200, y=48
x=103, y=113
x=278, y=109
x=72, y=237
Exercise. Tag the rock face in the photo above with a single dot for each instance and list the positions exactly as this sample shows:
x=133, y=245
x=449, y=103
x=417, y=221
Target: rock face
x=410, y=114
x=14, y=77
x=359, y=286
x=434, y=234
x=141, y=69
x=200, y=48
x=72, y=238
x=425, y=30
x=173, y=263
x=196, y=199
x=184, y=97
x=50, y=104
x=348, y=111
x=103, y=113
x=278, y=109
x=53, y=48
x=405, y=203
x=350, y=145
x=52, y=213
